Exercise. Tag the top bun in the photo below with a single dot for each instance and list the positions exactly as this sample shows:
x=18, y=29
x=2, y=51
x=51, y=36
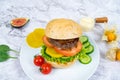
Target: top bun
x=63, y=29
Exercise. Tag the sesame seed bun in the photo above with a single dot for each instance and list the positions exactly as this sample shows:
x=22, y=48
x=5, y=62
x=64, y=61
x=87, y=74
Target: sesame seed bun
x=61, y=65
x=63, y=29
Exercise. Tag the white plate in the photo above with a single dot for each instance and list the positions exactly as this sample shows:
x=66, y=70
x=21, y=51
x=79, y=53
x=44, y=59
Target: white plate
x=77, y=71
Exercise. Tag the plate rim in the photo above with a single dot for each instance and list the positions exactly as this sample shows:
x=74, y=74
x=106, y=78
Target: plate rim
x=96, y=66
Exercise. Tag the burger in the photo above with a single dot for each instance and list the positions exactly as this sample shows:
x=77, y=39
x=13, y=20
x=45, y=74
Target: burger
x=62, y=45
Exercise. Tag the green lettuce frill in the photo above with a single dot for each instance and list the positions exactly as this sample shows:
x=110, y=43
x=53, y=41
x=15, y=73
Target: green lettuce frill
x=61, y=59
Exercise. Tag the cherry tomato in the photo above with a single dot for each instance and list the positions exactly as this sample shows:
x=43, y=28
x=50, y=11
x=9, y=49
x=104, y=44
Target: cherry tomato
x=38, y=60
x=46, y=68
x=71, y=52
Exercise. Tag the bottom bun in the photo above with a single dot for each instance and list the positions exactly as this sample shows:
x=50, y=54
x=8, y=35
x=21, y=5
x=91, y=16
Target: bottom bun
x=61, y=65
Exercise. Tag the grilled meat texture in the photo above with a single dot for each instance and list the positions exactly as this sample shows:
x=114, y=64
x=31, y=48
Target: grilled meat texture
x=64, y=44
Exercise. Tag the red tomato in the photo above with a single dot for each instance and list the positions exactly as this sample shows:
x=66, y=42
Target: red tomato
x=46, y=42
x=38, y=60
x=71, y=52
x=46, y=68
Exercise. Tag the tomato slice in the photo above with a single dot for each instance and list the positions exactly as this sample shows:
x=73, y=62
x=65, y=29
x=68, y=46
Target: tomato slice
x=71, y=52
x=46, y=42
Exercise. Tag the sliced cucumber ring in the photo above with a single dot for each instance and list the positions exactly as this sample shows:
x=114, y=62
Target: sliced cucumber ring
x=85, y=45
x=83, y=39
x=89, y=49
x=85, y=59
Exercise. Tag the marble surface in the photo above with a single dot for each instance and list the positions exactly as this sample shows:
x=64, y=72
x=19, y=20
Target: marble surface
x=40, y=13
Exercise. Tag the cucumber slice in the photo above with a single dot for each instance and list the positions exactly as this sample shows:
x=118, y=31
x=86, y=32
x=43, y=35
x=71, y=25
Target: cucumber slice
x=85, y=45
x=83, y=39
x=85, y=59
x=89, y=49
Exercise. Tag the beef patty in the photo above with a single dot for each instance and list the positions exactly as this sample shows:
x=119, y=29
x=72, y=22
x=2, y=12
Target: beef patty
x=64, y=44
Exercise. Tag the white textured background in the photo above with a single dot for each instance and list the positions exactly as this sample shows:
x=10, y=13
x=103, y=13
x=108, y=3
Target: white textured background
x=40, y=12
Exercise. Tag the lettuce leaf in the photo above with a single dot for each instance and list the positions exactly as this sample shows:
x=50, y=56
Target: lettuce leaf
x=58, y=60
